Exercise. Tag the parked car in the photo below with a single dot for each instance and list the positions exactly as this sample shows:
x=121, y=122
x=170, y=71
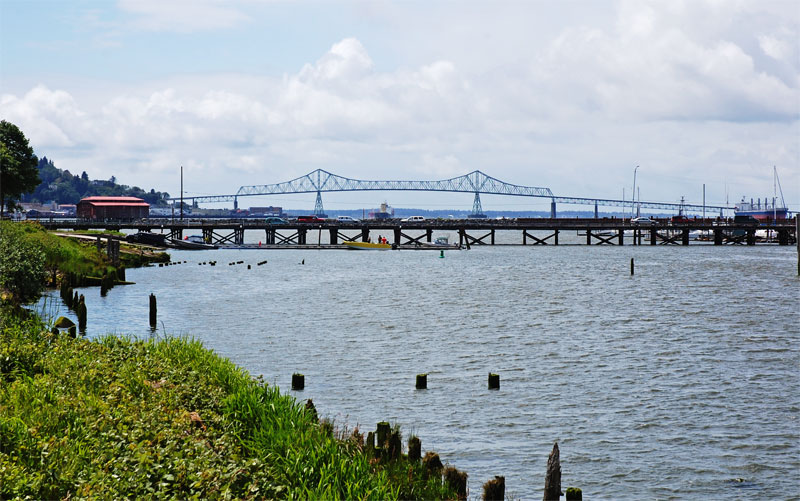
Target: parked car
x=275, y=220
x=642, y=221
x=310, y=219
x=347, y=219
x=413, y=219
x=680, y=219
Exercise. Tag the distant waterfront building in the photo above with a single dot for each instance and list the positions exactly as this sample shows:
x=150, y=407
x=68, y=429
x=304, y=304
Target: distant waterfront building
x=266, y=211
x=113, y=208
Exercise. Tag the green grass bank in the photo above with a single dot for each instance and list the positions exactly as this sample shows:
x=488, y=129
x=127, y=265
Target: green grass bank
x=167, y=418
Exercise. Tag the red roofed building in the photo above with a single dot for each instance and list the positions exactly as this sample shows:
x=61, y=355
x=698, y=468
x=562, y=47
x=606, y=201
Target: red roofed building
x=113, y=208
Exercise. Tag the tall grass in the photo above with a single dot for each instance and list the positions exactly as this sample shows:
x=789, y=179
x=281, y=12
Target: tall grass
x=122, y=417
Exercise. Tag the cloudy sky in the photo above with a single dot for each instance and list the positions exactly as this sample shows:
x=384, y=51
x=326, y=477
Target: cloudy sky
x=569, y=95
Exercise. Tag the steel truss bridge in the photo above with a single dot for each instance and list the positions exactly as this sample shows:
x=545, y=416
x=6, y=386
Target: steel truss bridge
x=476, y=182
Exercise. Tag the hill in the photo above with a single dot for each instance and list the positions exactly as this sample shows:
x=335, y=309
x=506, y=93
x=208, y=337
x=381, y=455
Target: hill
x=63, y=187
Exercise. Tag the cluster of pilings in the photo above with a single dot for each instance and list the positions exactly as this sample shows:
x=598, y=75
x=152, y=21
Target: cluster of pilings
x=75, y=302
x=384, y=445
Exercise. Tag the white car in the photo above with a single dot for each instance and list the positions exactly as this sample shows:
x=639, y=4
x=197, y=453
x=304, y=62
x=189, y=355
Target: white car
x=642, y=221
x=412, y=219
x=347, y=219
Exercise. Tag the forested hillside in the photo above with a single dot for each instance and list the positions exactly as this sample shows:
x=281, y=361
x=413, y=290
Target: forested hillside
x=64, y=187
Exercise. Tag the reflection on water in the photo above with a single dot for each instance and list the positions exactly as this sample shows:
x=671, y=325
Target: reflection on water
x=672, y=383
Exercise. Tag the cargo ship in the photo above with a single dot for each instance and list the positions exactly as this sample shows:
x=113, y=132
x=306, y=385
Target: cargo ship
x=766, y=211
x=761, y=211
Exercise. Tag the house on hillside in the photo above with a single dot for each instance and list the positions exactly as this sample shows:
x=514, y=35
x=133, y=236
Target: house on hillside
x=113, y=208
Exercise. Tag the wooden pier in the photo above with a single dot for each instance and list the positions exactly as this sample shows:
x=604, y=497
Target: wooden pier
x=471, y=232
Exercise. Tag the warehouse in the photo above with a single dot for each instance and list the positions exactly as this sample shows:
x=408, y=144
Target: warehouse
x=124, y=208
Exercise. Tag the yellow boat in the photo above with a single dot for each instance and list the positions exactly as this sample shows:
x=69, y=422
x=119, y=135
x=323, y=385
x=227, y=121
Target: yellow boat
x=351, y=244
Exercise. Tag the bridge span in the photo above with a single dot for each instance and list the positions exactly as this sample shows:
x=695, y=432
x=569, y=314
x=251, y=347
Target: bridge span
x=321, y=181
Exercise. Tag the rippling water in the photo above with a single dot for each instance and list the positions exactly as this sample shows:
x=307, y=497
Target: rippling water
x=682, y=381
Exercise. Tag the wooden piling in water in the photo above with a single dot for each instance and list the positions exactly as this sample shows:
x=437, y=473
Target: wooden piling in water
x=631, y=266
x=298, y=382
x=552, y=479
x=82, y=315
x=414, y=449
x=422, y=381
x=382, y=433
x=153, y=311
x=574, y=494
x=494, y=381
x=495, y=490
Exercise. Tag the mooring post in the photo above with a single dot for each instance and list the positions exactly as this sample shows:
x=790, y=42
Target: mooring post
x=552, y=479
x=588, y=236
x=621, y=235
x=422, y=381
x=494, y=381
x=298, y=381
x=653, y=235
x=153, y=311
x=631, y=266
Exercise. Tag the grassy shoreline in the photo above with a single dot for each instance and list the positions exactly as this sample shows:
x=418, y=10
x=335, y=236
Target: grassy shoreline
x=119, y=417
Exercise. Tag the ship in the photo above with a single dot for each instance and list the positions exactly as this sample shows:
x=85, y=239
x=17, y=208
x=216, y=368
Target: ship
x=765, y=211
x=385, y=212
x=762, y=211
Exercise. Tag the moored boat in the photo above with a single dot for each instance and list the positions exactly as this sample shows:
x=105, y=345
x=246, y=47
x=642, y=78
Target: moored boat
x=351, y=244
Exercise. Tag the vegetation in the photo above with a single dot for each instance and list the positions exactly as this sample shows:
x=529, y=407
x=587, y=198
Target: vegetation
x=18, y=173
x=63, y=187
x=22, y=266
x=125, y=418
x=157, y=418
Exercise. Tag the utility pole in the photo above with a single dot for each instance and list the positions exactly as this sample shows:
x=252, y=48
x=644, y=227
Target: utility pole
x=704, y=202
x=181, y=192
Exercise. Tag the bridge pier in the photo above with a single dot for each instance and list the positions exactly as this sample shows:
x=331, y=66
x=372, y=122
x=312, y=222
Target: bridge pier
x=301, y=236
x=365, y=234
x=429, y=234
x=685, y=236
x=334, y=235
x=717, y=236
x=553, y=209
x=397, y=236
x=621, y=236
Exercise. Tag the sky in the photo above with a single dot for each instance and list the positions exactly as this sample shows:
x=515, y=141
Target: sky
x=568, y=95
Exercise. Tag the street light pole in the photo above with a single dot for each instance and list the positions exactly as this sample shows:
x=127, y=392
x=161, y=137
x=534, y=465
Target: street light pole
x=633, y=194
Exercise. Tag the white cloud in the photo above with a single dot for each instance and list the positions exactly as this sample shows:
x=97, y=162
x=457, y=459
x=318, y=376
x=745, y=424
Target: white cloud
x=774, y=47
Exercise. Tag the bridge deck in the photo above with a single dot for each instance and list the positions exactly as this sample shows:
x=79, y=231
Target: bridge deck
x=402, y=233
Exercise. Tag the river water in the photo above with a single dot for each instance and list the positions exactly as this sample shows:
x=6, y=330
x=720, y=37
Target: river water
x=682, y=381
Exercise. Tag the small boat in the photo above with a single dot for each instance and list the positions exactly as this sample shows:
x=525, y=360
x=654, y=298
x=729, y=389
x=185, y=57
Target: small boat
x=351, y=244
x=190, y=244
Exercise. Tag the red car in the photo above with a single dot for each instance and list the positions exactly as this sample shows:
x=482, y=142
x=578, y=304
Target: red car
x=310, y=219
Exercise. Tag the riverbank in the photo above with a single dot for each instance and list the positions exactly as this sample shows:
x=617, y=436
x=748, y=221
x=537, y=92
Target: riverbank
x=165, y=417
x=120, y=417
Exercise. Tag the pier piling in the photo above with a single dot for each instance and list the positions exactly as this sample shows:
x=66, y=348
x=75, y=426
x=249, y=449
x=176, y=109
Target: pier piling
x=414, y=449
x=153, y=311
x=631, y=266
x=552, y=479
x=574, y=494
x=494, y=381
x=422, y=381
x=298, y=382
x=495, y=490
